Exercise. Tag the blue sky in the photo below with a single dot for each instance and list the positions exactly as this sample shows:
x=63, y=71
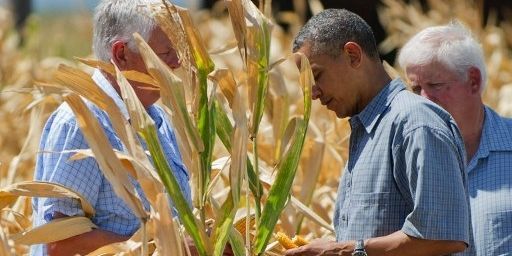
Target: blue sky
x=50, y=5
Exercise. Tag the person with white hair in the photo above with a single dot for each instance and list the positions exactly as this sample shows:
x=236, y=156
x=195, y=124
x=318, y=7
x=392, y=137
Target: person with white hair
x=114, y=23
x=445, y=64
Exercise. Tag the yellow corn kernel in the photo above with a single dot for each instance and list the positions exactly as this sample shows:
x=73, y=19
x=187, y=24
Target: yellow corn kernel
x=299, y=241
x=240, y=225
x=285, y=241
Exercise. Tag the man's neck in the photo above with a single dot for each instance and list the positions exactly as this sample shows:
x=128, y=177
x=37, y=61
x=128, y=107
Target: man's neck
x=376, y=78
x=471, y=127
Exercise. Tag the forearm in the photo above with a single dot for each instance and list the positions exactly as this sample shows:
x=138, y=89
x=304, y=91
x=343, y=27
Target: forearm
x=399, y=243
x=84, y=243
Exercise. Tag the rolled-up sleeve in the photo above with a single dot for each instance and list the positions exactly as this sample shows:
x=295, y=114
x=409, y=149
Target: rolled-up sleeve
x=82, y=176
x=434, y=180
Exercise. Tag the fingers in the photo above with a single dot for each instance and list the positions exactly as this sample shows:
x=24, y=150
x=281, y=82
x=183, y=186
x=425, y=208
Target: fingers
x=291, y=252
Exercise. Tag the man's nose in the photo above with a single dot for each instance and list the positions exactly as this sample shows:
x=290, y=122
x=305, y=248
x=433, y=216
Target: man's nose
x=173, y=61
x=428, y=95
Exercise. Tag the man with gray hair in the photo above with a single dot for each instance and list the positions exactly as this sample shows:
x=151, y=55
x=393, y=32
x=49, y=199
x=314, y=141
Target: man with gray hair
x=445, y=64
x=114, y=23
x=403, y=190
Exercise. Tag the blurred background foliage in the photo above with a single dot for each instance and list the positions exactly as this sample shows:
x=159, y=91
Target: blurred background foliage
x=54, y=33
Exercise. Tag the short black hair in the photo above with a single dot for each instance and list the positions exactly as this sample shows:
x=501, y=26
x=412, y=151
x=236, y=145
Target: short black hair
x=330, y=29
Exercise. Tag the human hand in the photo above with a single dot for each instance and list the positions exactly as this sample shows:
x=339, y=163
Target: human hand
x=323, y=247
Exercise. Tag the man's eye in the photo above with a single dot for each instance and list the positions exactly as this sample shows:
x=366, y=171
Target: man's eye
x=317, y=76
x=436, y=86
x=164, y=54
x=416, y=89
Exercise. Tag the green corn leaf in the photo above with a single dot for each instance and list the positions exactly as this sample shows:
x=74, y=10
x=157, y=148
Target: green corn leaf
x=145, y=127
x=223, y=225
x=237, y=169
x=224, y=130
x=280, y=190
x=258, y=44
x=237, y=242
x=205, y=118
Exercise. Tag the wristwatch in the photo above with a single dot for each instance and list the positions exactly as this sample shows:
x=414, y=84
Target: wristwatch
x=359, y=249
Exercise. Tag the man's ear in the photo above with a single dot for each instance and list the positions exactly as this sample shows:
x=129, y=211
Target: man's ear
x=118, y=53
x=354, y=52
x=475, y=80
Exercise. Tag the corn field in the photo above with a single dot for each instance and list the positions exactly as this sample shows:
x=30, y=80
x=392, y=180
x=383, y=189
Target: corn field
x=257, y=149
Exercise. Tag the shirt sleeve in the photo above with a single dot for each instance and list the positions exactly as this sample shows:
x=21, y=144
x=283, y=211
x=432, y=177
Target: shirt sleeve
x=170, y=147
x=82, y=176
x=434, y=179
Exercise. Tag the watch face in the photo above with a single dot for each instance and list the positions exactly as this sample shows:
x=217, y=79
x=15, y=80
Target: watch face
x=359, y=253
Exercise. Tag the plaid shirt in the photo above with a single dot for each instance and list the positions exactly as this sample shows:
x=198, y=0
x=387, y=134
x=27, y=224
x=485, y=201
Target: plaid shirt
x=405, y=172
x=62, y=133
x=490, y=187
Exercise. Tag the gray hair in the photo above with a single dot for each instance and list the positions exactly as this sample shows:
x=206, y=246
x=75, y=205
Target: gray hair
x=118, y=20
x=331, y=29
x=451, y=45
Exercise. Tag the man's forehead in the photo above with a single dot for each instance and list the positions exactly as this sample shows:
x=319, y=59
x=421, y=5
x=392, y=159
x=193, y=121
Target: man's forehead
x=304, y=50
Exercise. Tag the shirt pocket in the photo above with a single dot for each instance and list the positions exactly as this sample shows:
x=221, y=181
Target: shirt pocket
x=378, y=198
x=376, y=214
x=500, y=232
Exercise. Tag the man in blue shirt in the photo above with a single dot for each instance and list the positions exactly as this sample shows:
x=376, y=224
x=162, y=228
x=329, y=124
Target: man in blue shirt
x=403, y=190
x=446, y=65
x=114, y=24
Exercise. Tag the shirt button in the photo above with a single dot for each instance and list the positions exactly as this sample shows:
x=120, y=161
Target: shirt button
x=343, y=217
x=349, y=183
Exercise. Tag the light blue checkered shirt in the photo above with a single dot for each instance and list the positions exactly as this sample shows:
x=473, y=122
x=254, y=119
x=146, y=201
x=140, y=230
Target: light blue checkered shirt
x=405, y=172
x=490, y=187
x=61, y=133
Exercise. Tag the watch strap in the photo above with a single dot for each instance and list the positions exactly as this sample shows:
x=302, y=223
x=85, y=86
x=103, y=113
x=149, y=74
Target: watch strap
x=359, y=246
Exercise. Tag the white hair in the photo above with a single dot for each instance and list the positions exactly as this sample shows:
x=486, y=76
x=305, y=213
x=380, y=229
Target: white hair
x=117, y=20
x=451, y=45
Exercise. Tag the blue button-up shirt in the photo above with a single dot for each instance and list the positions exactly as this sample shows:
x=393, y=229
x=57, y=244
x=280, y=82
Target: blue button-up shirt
x=62, y=133
x=405, y=172
x=490, y=187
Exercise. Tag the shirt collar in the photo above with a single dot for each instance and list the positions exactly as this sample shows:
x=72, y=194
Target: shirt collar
x=107, y=87
x=496, y=133
x=372, y=112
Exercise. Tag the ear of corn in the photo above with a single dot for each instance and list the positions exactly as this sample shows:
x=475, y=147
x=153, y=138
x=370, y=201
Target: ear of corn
x=299, y=241
x=285, y=241
x=288, y=243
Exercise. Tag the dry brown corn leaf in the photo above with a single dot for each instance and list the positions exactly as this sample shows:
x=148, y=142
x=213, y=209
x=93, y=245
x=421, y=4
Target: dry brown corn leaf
x=10, y=193
x=105, y=156
x=167, y=236
x=60, y=229
x=125, y=159
x=224, y=78
x=131, y=75
x=311, y=214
